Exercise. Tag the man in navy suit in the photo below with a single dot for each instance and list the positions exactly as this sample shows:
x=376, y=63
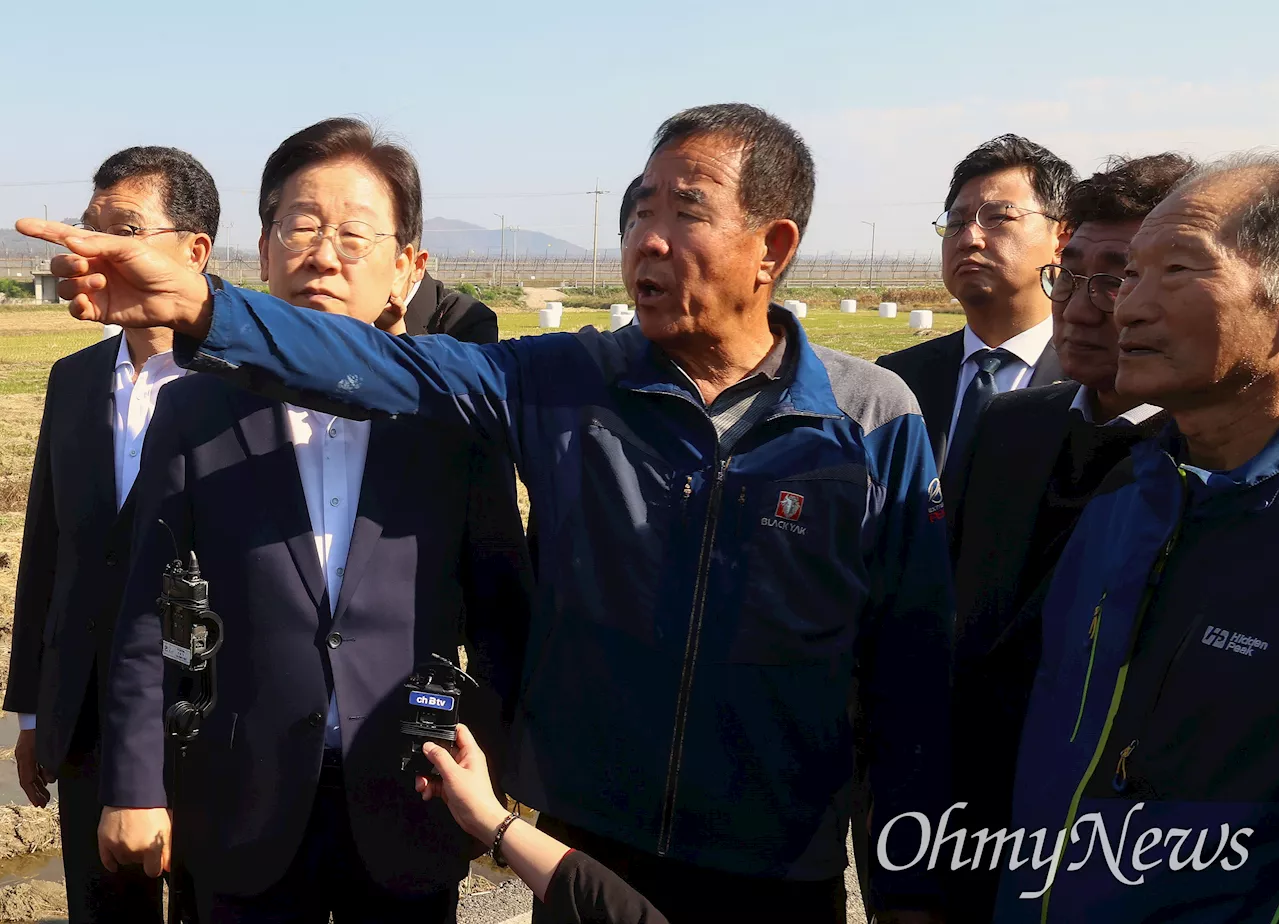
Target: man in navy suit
x=340, y=554
x=75, y=547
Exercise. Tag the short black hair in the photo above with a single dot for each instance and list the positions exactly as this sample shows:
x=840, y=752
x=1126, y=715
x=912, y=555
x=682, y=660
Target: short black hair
x=187, y=190
x=354, y=139
x=628, y=203
x=777, y=168
x=1051, y=176
x=1125, y=189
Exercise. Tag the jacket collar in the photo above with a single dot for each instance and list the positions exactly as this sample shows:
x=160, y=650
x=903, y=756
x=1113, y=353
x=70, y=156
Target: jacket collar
x=1243, y=486
x=808, y=390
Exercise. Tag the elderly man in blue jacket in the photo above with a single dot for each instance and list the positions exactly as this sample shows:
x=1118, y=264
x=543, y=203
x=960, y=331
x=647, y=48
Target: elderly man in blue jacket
x=741, y=534
x=1147, y=768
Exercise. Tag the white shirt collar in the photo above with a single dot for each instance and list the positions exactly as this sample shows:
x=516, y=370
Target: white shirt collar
x=1027, y=346
x=122, y=355
x=1132, y=417
x=164, y=359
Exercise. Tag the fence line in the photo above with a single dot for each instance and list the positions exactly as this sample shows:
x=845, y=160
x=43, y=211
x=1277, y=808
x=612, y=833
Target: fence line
x=897, y=270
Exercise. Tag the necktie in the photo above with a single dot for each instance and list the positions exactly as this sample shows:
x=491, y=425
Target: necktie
x=976, y=397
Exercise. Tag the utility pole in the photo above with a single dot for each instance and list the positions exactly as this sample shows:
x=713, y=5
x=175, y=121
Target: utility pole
x=595, y=232
x=46, y=243
x=872, y=267
x=502, y=246
x=515, y=245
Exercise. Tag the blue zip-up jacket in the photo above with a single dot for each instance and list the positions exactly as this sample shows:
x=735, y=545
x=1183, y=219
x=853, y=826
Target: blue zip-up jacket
x=701, y=621
x=1154, y=709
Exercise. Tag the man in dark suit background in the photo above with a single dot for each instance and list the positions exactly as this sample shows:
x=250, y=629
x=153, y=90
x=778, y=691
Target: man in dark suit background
x=432, y=308
x=340, y=554
x=1003, y=220
x=75, y=549
x=1038, y=456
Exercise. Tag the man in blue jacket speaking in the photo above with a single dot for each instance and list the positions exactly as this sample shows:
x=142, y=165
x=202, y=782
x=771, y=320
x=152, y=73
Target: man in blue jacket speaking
x=1147, y=769
x=741, y=534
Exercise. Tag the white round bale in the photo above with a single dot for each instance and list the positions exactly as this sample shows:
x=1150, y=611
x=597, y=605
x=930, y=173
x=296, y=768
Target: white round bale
x=849, y=305
x=888, y=309
x=920, y=319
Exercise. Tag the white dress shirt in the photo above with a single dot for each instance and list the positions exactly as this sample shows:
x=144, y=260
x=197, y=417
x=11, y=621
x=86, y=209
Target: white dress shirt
x=1132, y=417
x=135, y=404
x=331, y=454
x=1026, y=348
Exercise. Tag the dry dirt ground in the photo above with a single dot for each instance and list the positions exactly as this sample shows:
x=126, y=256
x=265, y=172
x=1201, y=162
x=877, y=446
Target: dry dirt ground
x=536, y=299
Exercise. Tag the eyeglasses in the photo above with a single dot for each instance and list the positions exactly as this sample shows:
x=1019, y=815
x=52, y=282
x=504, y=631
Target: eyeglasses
x=990, y=215
x=1059, y=283
x=353, y=240
x=123, y=230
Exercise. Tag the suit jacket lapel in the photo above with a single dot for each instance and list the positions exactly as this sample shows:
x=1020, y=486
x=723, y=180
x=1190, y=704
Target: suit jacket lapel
x=1042, y=441
x=389, y=454
x=1048, y=370
x=938, y=396
x=97, y=427
x=265, y=432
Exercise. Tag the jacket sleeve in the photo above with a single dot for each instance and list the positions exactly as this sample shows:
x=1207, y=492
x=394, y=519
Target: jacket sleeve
x=133, y=715
x=905, y=657
x=344, y=366
x=37, y=569
x=581, y=891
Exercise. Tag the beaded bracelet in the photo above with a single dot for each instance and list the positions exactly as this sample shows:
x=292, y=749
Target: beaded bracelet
x=496, y=850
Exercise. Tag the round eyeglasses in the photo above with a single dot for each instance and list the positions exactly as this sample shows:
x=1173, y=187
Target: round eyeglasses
x=354, y=240
x=1059, y=283
x=124, y=230
x=990, y=215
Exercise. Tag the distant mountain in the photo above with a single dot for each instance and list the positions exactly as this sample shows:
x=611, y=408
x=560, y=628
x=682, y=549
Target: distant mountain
x=441, y=237
x=450, y=237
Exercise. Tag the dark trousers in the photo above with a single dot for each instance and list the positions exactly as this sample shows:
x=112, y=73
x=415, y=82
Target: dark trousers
x=95, y=896
x=327, y=876
x=689, y=894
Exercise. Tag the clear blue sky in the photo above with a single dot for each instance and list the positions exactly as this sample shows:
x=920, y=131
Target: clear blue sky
x=503, y=100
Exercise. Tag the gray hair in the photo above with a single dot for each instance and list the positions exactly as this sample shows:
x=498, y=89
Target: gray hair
x=1257, y=218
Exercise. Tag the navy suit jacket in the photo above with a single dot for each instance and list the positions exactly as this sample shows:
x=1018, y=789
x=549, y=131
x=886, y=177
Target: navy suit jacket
x=75, y=556
x=437, y=558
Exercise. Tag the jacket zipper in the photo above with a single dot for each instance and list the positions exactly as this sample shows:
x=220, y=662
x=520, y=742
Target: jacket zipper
x=690, y=655
x=1117, y=692
x=1095, y=624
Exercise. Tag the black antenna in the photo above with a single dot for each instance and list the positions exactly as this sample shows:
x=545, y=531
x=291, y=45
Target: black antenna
x=177, y=556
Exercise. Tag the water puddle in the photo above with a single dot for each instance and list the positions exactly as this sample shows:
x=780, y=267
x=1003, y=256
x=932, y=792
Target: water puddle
x=44, y=866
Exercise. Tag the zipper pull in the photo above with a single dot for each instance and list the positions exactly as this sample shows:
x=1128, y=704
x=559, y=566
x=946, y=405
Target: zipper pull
x=1097, y=617
x=742, y=496
x=1120, y=783
x=688, y=487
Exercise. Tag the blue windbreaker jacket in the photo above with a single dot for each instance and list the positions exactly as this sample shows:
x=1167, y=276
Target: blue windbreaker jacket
x=1150, y=737
x=702, y=622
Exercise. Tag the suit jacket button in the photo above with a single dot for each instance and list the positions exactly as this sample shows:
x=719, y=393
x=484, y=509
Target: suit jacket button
x=334, y=640
x=316, y=719
x=92, y=625
x=112, y=561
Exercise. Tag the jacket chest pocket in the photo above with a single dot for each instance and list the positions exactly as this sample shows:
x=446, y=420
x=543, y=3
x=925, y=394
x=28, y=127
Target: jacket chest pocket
x=1215, y=697
x=617, y=530
x=804, y=580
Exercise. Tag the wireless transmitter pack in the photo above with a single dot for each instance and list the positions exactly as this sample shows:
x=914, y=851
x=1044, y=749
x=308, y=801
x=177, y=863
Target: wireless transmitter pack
x=433, y=693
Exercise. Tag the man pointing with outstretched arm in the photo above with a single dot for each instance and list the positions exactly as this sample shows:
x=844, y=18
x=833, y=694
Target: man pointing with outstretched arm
x=740, y=533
